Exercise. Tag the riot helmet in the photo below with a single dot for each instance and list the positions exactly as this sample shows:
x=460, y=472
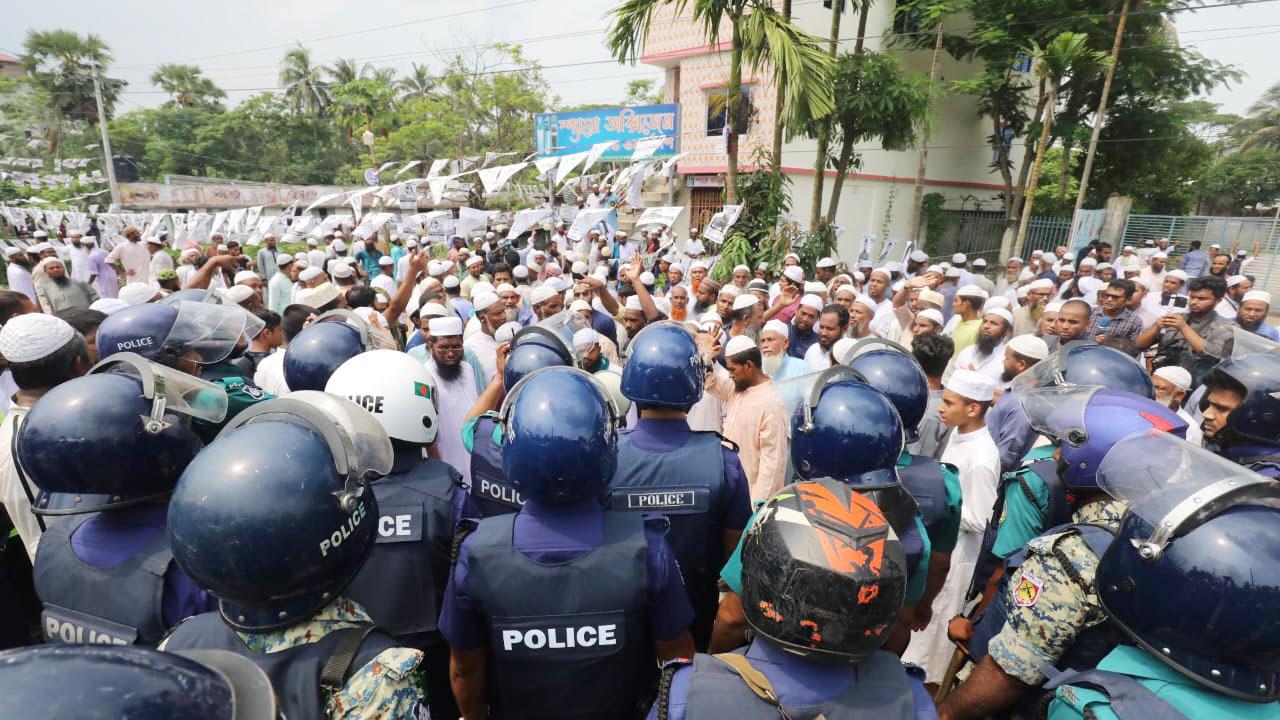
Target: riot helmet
x=1253, y=370
x=892, y=370
x=315, y=353
x=847, y=430
x=396, y=389
x=664, y=368
x=823, y=574
x=273, y=517
x=1084, y=363
x=199, y=332
x=534, y=348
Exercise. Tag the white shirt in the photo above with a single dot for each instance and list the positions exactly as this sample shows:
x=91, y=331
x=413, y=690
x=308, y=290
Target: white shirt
x=136, y=261
x=485, y=348
x=1152, y=279
x=1195, y=435
x=990, y=365
x=20, y=280
x=402, y=267
x=1226, y=309
x=816, y=358
x=185, y=273
x=159, y=261
x=386, y=282
x=315, y=258
x=978, y=459
x=79, y=257
x=269, y=374
x=456, y=398
x=12, y=493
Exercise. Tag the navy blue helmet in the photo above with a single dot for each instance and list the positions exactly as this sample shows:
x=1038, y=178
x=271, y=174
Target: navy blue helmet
x=71, y=682
x=534, y=348
x=202, y=332
x=664, y=369
x=1257, y=418
x=115, y=437
x=312, y=356
x=897, y=375
x=847, y=430
x=275, y=516
x=1085, y=363
x=140, y=329
x=1194, y=571
x=560, y=440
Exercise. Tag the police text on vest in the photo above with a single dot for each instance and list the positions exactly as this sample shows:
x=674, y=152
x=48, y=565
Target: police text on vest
x=560, y=638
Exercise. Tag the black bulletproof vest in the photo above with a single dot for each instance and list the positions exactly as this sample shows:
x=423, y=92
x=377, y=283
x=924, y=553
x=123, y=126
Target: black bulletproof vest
x=1059, y=514
x=119, y=605
x=490, y=490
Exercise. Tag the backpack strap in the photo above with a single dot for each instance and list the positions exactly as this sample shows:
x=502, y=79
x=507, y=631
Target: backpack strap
x=22, y=474
x=334, y=673
x=753, y=678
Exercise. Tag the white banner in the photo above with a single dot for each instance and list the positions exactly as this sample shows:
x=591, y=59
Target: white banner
x=647, y=147
x=721, y=222
x=407, y=167
x=527, y=219
x=437, y=166
x=568, y=163
x=545, y=164
x=660, y=216
x=596, y=151
x=439, y=225
x=495, y=177
x=587, y=219
x=470, y=219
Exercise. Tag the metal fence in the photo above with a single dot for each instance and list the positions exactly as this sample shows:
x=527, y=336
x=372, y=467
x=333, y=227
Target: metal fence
x=978, y=234
x=1260, y=236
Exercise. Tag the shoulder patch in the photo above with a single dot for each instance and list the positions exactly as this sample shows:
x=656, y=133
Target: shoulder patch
x=1028, y=590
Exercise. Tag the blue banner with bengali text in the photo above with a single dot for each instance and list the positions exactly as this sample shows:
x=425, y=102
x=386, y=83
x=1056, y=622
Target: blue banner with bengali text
x=566, y=133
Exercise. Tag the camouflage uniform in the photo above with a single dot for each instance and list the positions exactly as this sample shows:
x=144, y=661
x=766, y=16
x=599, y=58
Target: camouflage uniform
x=386, y=688
x=1047, y=608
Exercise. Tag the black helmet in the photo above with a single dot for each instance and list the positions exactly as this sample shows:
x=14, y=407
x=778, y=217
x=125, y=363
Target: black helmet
x=823, y=575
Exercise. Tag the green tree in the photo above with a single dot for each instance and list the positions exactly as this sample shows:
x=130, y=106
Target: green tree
x=344, y=70
x=1261, y=127
x=1241, y=180
x=63, y=63
x=875, y=98
x=417, y=84
x=187, y=86
x=642, y=92
x=304, y=86
x=760, y=38
x=1066, y=58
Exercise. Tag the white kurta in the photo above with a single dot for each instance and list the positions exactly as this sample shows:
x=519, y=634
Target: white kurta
x=817, y=358
x=990, y=365
x=978, y=459
x=456, y=398
x=485, y=348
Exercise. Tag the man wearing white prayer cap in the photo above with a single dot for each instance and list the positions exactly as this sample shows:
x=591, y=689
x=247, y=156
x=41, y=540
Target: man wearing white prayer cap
x=825, y=269
x=741, y=276
x=457, y=386
x=966, y=395
x=1172, y=383
x=545, y=301
x=777, y=364
x=385, y=280
x=745, y=317
x=756, y=418
x=987, y=355
x=1252, y=315
x=42, y=352
x=491, y=314
x=139, y=293
x=833, y=321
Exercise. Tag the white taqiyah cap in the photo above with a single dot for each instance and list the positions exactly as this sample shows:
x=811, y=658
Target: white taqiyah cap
x=386, y=261
x=475, y=260
x=445, y=326
x=155, y=240
x=699, y=265
x=918, y=256
x=971, y=291
x=633, y=304
x=1030, y=346
x=776, y=326
x=980, y=262
x=739, y=344
x=972, y=385
x=1053, y=306
x=827, y=262
x=11, y=251
x=1022, y=291
x=729, y=291
x=1089, y=262
x=932, y=314
x=33, y=336
x=1179, y=273
x=579, y=305
x=237, y=294
x=246, y=275
x=451, y=282
x=1235, y=280
x=505, y=288
x=1159, y=255
x=998, y=301
x=341, y=271
x=311, y=273
x=433, y=310
x=586, y=337
x=283, y=259
x=1037, y=253
x=482, y=301
x=952, y=272
x=1040, y=284
x=711, y=316
x=959, y=259
x=743, y=268
x=578, y=268
x=520, y=271
x=1104, y=266
x=106, y=306
x=794, y=274
x=318, y=296
x=813, y=287
x=1000, y=313
x=506, y=331
x=1258, y=295
x=339, y=246
x=865, y=301
x=541, y=294
x=745, y=300
x=647, y=278
x=842, y=350
x=812, y=301
x=40, y=234
x=138, y=293
x=1177, y=376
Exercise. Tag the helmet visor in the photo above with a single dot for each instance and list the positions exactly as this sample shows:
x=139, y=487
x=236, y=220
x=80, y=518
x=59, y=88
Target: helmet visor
x=358, y=443
x=1049, y=371
x=1171, y=483
x=209, y=331
x=1058, y=411
x=563, y=325
x=350, y=318
x=869, y=344
x=1248, y=343
x=182, y=393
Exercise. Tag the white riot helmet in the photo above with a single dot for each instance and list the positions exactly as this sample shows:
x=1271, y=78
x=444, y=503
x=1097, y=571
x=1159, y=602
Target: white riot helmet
x=396, y=389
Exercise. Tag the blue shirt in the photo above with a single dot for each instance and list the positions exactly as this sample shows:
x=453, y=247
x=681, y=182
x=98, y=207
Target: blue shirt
x=661, y=436
x=791, y=367
x=603, y=324
x=109, y=538
x=1193, y=263
x=550, y=534
x=1011, y=431
x=414, y=341
x=798, y=682
x=1269, y=332
x=369, y=260
x=798, y=343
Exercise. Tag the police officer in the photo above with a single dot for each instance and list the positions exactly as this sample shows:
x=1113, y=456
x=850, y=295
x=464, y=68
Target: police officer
x=1241, y=408
x=70, y=682
x=276, y=518
x=1194, y=599
x=1045, y=612
x=843, y=431
x=823, y=580
x=315, y=353
x=532, y=348
x=419, y=503
x=693, y=478
x=106, y=450
x=560, y=609
x=198, y=338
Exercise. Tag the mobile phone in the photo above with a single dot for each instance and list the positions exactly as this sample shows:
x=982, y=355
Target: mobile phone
x=1173, y=302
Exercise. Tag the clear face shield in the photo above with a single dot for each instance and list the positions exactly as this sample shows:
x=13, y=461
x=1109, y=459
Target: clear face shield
x=353, y=320
x=1174, y=486
x=1050, y=371
x=169, y=390
x=210, y=332
x=1248, y=343
x=869, y=344
x=359, y=445
x=1058, y=411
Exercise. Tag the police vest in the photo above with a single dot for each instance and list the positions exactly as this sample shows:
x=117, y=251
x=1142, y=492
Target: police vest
x=879, y=690
x=490, y=490
x=926, y=480
x=402, y=583
x=118, y=605
x=568, y=640
x=294, y=673
x=1091, y=644
x=684, y=485
x=1043, y=470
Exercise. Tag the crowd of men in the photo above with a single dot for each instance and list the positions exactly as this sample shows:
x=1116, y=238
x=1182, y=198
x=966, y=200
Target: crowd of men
x=609, y=477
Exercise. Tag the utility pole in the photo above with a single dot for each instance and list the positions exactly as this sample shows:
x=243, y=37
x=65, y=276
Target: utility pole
x=106, y=140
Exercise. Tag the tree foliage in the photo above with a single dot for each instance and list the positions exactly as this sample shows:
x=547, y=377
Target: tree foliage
x=63, y=63
x=187, y=86
x=1241, y=180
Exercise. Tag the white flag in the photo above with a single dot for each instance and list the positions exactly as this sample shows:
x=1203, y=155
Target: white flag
x=407, y=167
x=569, y=162
x=495, y=177
x=596, y=151
x=545, y=164
x=436, y=167
x=647, y=147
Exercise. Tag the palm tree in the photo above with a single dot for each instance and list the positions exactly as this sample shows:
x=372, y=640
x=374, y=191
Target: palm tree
x=344, y=70
x=1063, y=58
x=303, y=87
x=63, y=64
x=760, y=38
x=417, y=84
x=383, y=75
x=187, y=86
x=1263, y=122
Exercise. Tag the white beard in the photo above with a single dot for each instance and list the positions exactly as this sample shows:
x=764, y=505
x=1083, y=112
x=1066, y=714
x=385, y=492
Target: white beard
x=772, y=363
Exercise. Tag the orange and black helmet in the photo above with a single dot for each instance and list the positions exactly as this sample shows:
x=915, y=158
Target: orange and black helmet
x=823, y=573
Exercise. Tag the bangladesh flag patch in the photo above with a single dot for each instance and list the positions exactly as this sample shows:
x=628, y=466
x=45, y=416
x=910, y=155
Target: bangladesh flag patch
x=422, y=390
